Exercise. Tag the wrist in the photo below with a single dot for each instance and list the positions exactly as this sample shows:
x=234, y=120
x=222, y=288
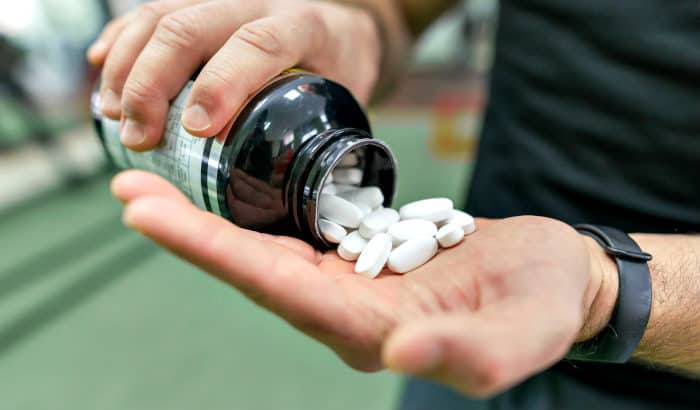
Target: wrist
x=601, y=293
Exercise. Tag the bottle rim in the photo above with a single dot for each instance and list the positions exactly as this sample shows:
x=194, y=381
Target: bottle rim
x=315, y=163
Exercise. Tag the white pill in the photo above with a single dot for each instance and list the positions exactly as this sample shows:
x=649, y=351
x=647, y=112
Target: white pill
x=339, y=188
x=370, y=195
x=462, y=219
x=340, y=211
x=329, y=189
x=352, y=176
x=351, y=246
x=349, y=160
x=378, y=222
x=374, y=256
x=331, y=231
x=366, y=209
x=329, y=179
x=434, y=209
x=412, y=254
x=402, y=231
x=450, y=235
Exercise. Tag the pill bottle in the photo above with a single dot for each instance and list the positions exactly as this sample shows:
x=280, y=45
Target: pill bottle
x=267, y=169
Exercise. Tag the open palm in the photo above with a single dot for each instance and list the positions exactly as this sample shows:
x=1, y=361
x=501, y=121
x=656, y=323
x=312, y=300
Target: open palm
x=480, y=316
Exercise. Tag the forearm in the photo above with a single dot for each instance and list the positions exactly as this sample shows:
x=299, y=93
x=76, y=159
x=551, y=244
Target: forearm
x=672, y=335
x=399, y=22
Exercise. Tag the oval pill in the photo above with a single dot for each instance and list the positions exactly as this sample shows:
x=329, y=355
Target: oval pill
x=331, y=231
x=462, y=219
x=339, y=188
x=352, y=176
x=402, y=231
x=351, y=246
x=366, y=209
x=433, y=209
x=374, y=256
x=371, y=196
x=378, y=222
x=450, y=235
x=329, y=189
x=340, y=211
x=412, y=254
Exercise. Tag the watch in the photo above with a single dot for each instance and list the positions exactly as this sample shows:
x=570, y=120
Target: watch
x=618, y=340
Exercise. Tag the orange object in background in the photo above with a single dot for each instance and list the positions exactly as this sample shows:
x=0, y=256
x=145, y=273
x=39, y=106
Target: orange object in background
x=456, y=123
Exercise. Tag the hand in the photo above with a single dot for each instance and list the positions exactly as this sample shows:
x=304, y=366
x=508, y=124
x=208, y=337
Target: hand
x=506, y=303
x=150, y=53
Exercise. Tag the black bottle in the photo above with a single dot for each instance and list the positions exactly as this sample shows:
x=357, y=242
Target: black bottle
x=267, y=171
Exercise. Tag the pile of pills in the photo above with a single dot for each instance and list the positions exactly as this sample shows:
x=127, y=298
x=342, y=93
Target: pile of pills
x=374, y=236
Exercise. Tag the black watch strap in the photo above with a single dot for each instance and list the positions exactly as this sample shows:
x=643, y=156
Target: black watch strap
x=619, y=339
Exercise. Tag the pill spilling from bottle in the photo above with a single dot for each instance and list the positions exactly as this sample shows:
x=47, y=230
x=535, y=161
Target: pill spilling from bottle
x=374, y=237
x=305, y=166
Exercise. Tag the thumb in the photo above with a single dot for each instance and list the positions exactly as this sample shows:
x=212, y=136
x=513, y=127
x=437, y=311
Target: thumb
x=482, y=353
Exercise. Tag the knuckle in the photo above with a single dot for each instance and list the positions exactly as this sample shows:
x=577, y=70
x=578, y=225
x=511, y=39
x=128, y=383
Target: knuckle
x=313, y=18
x=137, y=94
x=320, y=32
x=262, y=37
x=114, y=74
x=176, y=31
x=212, y=83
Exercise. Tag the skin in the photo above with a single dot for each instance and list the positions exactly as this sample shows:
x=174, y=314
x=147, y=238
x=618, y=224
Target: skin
x=471, y=318
x=241, y=45
x=454, y=319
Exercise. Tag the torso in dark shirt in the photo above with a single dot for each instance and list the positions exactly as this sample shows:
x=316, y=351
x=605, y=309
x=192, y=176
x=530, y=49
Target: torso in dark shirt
x=594, y=117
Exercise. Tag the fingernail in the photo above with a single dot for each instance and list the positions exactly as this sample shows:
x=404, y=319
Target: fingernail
x=196, y=118
x=109, y=102
x=133, y=133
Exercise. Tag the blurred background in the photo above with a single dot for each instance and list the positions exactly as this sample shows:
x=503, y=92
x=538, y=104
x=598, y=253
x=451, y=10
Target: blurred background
x=93, y=316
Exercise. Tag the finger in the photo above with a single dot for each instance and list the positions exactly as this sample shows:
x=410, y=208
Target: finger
x=132, y=184
x=129, y=185
x=126, y=47
x=264, y=270
x=97, y=53
x=485, y=352
x=257, y=52
x=298, y=247
x=182, y=42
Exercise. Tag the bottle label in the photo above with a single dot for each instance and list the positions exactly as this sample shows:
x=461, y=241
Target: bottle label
x=188, y=162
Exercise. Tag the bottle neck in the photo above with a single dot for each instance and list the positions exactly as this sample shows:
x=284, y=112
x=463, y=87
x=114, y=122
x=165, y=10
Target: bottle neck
x=317, y=159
